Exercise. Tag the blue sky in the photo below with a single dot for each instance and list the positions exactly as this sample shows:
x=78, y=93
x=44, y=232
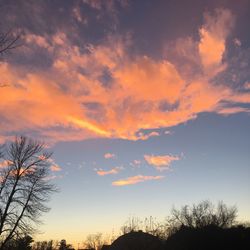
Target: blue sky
x=145, y=105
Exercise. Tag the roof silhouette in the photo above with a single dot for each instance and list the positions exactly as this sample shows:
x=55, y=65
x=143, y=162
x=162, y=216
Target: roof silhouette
x=137, y=241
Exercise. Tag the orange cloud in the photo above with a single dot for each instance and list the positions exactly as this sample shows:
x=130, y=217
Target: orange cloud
x=161, y=162
x=135, y=179
x=115, y=170
x=5, y=163
x=55, y=168
x=109, y=156
x=213, y=35
x=102, y=92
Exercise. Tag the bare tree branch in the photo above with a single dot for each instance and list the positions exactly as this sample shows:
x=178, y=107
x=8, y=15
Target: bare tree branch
x=8, y=41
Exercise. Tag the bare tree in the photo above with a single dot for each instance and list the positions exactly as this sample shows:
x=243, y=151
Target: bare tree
x=45, y=245
x=24, y=187
x=8, y=41
x=148, y=225
x=95, y=241
x=202, y=215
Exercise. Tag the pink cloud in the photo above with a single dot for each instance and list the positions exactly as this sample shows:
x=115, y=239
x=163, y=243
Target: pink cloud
x=142, y=136
x=247, y=85
x=167, y=132
x=135, y=179
x=102, y=172
x=109, y=156
x=237, y=42
x=135, y=163
x=54, y=167
x=233, y=110
x=160, y=162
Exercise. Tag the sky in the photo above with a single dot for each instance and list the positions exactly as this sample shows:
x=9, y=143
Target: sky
x=145, y=105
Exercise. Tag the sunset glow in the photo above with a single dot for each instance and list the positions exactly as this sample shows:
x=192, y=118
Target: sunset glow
x=144, y=104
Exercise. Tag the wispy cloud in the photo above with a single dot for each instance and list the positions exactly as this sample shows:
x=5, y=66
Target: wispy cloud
x=108, y=4
x=135, y=163
x=142, y=136
x=247, y=85
x=102, y=172
x=160, y=162
x=136, y=179
x=167, y=132
x=109, y=156
x=54, y=167
x=237, y=42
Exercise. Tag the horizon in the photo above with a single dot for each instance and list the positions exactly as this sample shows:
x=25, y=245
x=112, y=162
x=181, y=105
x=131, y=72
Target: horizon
x=145, y=105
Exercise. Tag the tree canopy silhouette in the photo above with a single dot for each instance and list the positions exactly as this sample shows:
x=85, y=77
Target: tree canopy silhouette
x=202, y=215
x=24, y=187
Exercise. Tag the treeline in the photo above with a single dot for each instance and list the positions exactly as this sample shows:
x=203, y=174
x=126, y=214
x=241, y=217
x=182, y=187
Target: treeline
x=201, y=226
x=27, y=243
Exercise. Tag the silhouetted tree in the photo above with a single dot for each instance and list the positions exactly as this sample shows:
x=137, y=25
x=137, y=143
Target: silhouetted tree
x=64, y=245
x=45, y=245
x=148, y=224
x=209, y=237
x=95, y=241
x=23, y=243
x=24, y=187
x=202, y=215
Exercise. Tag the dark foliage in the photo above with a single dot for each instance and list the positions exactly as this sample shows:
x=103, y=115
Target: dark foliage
x=23, y=243
x=209, y=238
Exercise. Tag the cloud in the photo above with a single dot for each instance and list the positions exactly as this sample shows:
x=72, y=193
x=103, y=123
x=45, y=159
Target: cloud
x=233, y=110
x=76, y=11
x=108, y=4
x=53, y=177
x=109, y=156
x=247, y=85
x=160, y=162
x=135, y=179
x=167, y=132
x=237, y=42
x=213, y=36
x=135, y=163
x=102, y=172
x=55, y=168
x=142, y=136
x=5, y=163
x=101, y=90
